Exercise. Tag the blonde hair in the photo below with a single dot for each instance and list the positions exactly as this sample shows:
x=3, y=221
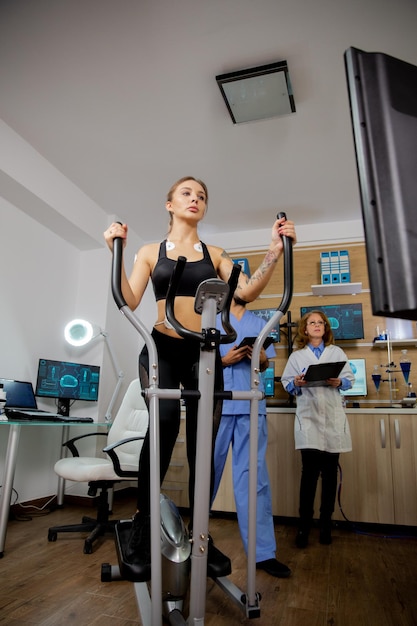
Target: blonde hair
x=302, y=339
x=175, y=187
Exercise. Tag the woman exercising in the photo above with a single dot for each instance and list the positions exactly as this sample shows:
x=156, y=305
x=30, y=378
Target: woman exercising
x=178, y=357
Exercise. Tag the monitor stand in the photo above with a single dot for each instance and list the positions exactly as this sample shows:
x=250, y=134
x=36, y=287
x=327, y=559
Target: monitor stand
x=64, y=406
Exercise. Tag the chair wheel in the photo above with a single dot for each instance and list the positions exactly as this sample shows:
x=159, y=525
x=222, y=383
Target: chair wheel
x=52, y=536
x=106, y=573
x=88, y=548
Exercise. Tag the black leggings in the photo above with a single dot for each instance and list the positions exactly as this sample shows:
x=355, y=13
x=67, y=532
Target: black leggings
x=178, y=364
x=316, y=462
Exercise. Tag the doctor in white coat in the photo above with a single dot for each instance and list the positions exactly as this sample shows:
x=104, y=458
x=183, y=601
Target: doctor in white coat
x=321, y=428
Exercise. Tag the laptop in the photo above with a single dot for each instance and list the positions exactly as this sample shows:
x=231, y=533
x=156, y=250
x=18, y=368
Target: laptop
x=21, y=404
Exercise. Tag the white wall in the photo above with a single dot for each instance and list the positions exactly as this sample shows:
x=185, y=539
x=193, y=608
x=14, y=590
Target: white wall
x=39, y=277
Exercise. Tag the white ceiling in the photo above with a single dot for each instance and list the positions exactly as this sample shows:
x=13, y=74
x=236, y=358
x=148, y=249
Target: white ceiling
x=120, y=96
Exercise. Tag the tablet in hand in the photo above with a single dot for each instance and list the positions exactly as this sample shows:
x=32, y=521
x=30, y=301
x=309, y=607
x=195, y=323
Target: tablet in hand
x=249, y=341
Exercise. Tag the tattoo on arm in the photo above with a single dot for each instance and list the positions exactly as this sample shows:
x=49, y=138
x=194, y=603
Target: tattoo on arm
x=226, y=256
x=270, y=259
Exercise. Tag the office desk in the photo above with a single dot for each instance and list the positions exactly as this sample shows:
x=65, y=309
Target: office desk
x=10, y=464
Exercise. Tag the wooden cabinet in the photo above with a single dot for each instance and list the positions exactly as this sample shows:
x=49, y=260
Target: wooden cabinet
x=379, y=476
x=367, y=491
x=403, y=434
x=284, y=467
x=284, y=464
x=175, y=485
x=225, y=499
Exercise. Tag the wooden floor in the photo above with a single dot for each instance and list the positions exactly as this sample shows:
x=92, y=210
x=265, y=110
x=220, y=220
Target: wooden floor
x=359, y=580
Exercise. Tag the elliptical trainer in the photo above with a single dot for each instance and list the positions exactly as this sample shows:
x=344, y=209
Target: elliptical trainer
x=185, y=562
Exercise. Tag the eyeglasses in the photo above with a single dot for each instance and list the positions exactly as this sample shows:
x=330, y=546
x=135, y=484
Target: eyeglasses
x=321, y=323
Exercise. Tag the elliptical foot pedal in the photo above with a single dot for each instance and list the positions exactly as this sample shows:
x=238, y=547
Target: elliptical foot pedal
x=133, y=572
x=218, y=564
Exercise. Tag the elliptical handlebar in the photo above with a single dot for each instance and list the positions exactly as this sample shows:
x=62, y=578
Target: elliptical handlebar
x=288, y=271
x=116, y=274
x=231, y=334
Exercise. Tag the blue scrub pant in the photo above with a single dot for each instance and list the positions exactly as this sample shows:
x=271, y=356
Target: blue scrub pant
x=234, y=429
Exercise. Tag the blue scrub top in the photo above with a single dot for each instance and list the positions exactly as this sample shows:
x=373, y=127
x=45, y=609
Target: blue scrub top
x=237, y=377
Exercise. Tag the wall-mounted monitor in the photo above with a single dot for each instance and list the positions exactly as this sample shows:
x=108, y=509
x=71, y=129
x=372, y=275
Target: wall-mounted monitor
x=346, y=320
x=67, y=382
x=383, y=103
x=359, y=387
x=268, y=378
x=266, y=315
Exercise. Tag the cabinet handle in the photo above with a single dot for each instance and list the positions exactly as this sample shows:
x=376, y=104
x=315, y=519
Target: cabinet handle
x=397, y=433
x=383, y=437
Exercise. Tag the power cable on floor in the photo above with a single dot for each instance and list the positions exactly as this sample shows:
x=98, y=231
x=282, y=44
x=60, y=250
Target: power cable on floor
x=35, y=510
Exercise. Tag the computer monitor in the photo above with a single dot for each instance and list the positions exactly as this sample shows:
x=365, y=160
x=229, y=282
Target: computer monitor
x=346, y=320
x=359, y=387
x=67, y=382
x=268, y=378
x=383, y=104
x=266, y=315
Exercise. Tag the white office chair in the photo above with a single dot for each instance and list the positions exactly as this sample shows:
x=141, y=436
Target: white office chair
x=124, y=443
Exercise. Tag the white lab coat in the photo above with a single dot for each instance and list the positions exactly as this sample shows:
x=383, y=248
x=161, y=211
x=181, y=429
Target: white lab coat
x=320, y=419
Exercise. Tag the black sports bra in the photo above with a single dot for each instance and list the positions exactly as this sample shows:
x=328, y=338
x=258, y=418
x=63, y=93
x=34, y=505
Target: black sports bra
x=194, y=273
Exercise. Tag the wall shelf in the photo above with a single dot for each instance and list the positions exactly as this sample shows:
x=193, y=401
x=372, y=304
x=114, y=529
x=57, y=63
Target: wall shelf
x=382, y=343
x=336, y=289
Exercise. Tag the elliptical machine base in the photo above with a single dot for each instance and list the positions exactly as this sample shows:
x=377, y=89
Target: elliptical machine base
x=175, y=552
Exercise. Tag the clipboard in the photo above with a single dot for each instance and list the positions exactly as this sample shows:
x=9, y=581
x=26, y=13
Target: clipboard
x=249, y=341
x=322, y=371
